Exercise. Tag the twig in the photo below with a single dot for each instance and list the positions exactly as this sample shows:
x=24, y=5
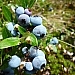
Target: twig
x=67, y=43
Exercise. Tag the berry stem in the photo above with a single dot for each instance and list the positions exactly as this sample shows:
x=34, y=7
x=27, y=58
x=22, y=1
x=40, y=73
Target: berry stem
x=67, y=43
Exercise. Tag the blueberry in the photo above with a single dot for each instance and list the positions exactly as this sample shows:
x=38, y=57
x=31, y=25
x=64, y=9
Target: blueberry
x=10, y=26
x=24, y=50
x=14, y=33
x=24, y=20
x=14, y=61
x=8, y=71
x=29, y=66
x=50, y=9
x=40, y=31
x=54, y=41
x=39, y=62
x=28, y=12
x=36, y=20
x=32, y=51
x=40, y=53
x=19, y=10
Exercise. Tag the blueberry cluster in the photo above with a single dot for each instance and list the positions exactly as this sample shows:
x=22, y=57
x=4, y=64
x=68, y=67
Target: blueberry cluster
x=36, y=57
x=36, y=61
x=28, y=21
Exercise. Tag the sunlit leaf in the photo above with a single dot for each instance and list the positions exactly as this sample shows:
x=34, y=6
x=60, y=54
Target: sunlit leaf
x=9, y=42
x=21, y=30
x=31, y=3
x=5, y=33
x=7, y=13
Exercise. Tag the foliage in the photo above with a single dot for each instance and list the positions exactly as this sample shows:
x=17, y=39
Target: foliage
x=60, y=24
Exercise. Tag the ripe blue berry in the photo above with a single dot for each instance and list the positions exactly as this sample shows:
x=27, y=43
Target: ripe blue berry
x=8, y=71
x=29, y=66
x=14, y=33
x=19, y=10
x=54, y=41
x=36, y=20
x=14, y=61
x=39, y=62
x=28, y=12
x=32, y=51
x=24, y=19
x=50, y=9
x=24, y=50
x=10, y=26
x=40, y=53
x=40, y=31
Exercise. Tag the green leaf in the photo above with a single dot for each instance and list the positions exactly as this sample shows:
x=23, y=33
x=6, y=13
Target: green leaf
x=7, y=13
x=54, y=48
x=1, y=37
x=1, y=24
x=31, y=3
x=23, y=3
x=32, y=40
x=6, y=57
x=27, y=2
x=21, y=30
x=5, y=33
x=9, y=42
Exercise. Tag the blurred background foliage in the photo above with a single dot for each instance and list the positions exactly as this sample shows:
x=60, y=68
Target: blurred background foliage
x=59, y=19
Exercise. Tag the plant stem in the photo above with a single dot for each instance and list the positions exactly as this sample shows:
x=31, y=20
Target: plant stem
x=67, y=43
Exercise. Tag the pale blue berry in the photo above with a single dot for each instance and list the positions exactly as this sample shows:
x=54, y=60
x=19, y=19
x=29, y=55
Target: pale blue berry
x=54, y=41
x=29, y=66
x=14, y=61
x=28, y=12
x=36, y=20
x=10, y=26
x=24, y=50
x=32, y=51
x=40, y=31
x=19, y=10
x=40, y=53
x=39, y=62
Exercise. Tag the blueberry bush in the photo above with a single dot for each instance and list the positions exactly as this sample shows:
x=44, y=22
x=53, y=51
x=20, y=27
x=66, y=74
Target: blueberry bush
x=37, y=37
